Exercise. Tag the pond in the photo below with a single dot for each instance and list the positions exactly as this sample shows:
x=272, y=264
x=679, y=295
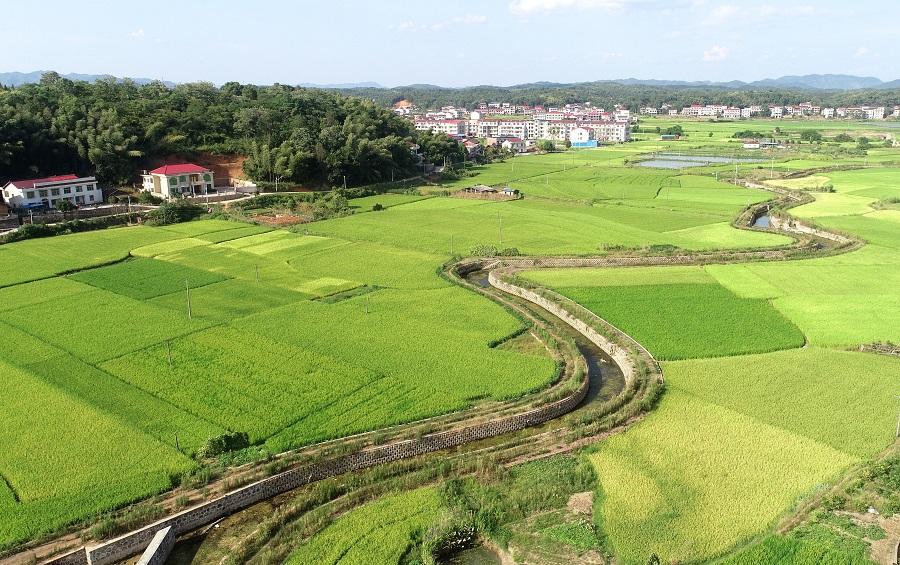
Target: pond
x=762, y=222
x=670, y=161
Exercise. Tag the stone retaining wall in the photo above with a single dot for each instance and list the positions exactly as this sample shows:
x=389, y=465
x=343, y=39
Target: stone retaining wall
x=791, y=225
x=618, y=354
x=159, y=549
x=648, y=261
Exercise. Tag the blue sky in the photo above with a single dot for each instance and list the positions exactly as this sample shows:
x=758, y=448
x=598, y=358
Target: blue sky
x=450, y=43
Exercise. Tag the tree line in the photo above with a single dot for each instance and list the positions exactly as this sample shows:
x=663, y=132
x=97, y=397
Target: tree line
x=633, y=96
x=114, y=128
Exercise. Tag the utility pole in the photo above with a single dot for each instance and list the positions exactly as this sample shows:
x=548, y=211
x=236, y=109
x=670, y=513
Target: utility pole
x=501, y=226
x=187, y=286
x=772, y=170
x=345, y=182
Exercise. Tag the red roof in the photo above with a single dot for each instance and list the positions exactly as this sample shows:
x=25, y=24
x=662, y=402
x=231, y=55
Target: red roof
x=30, y=183
x=182, y=169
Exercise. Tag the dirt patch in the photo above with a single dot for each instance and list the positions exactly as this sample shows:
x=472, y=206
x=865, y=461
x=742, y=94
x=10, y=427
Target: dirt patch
x=581, y=503
x=280, y=220
x=885, y=551
x=224, y=167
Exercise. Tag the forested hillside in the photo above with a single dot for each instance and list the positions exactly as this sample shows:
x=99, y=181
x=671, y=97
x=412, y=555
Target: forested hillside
x=634, y=96
x=113, y=129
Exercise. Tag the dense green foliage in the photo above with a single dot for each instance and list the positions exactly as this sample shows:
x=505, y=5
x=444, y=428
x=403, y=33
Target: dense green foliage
x=633, y=96
x=113, y=129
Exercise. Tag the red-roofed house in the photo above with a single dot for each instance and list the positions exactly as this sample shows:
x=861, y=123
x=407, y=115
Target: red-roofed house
x=175, y=181
x=50, y=190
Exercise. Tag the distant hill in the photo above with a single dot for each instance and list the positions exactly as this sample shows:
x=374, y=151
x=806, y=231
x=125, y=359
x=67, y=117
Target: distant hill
x=18, y=79
x=342, y=86
x=804, y=82
x=824, y=82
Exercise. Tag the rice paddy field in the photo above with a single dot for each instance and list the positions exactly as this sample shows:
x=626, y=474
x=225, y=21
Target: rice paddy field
x=739, y=439
x=297, y=338
x=380, y=532
x=113, y=375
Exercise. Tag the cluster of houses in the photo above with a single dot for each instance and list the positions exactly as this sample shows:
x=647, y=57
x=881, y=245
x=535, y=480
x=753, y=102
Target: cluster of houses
x=802, y=109
x=167, y=182
x=520, y=126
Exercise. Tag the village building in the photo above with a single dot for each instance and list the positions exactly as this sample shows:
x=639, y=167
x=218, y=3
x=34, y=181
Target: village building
x=47, y=192
x=176, y=181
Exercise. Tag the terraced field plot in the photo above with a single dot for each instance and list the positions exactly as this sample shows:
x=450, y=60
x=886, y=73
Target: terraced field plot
x=679, y=320
x=733, y=445
x=380, y=532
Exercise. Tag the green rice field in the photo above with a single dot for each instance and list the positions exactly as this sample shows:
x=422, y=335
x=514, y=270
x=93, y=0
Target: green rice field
x=380, y=532
x=257, y=351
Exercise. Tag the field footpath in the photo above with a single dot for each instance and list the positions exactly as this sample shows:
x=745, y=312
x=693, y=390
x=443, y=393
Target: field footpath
x=332, y=458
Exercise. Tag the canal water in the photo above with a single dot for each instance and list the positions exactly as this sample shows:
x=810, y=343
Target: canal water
x=606, y=378
x=763, y=222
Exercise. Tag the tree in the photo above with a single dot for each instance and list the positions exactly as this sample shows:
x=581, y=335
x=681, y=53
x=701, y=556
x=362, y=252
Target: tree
x=65, y=206
x=675, y=130
x=811, y=135
x=546, y=145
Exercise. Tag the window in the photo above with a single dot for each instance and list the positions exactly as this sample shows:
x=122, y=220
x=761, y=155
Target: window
x=43, y=192
x=67, y=190
x=91, y=197
x=182, y=178
x=54, y=192
x=29, y=194
x=173, y=181
x=208, y=187
x=78, y=188
x=206, y=177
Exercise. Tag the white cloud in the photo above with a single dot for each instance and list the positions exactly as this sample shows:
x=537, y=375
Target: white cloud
x=723, y=14
x=524, y=7
x=716, y=53
x=139, y=34
x=470, y=19
x=729, y=14
x=861, y=52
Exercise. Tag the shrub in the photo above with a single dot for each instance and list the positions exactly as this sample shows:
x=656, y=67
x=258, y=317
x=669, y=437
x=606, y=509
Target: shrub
x=483, y=250
x=229, y=441
x=173, y=213
x=377, y=207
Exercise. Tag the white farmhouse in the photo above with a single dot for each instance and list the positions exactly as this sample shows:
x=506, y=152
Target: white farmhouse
x=172, y=181
x=49, y=191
